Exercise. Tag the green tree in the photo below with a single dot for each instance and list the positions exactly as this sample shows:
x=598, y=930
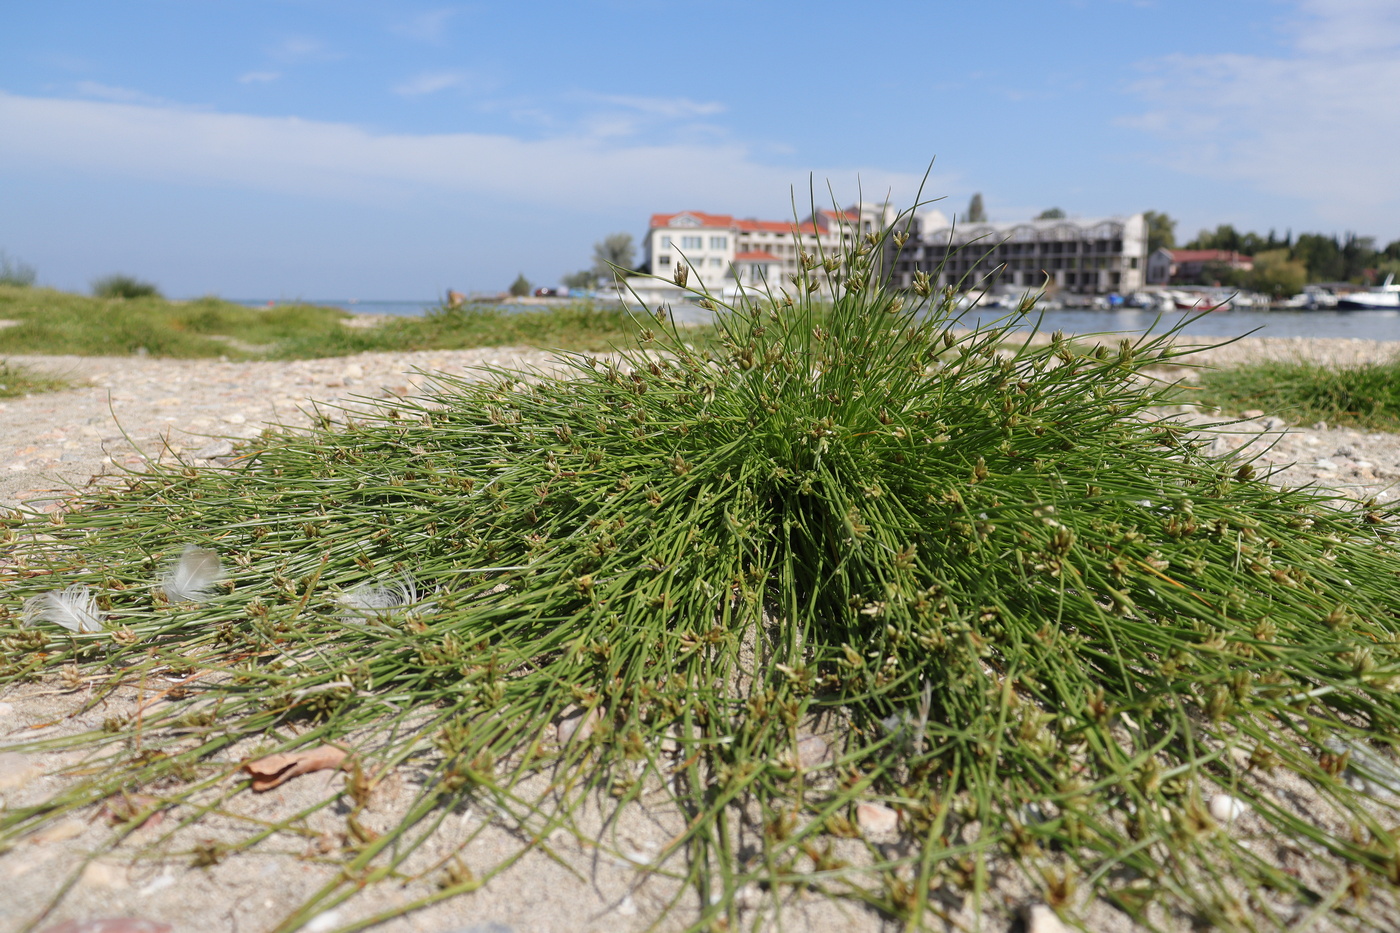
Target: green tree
x=1277, y=273
x=614, y=252
x=584, y=278
x=1053, y=213
x=1322, y=255
x=1161, y=231
x=976, y=213
x=1224, y=237
x=521, y=286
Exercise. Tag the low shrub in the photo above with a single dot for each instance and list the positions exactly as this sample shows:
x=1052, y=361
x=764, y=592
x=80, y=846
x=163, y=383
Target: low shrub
x=854, y=563
x=123, y=286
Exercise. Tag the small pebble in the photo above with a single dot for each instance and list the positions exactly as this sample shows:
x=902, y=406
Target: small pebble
x=627, y=907
x=110, y=925
x=235, y=418
x=15, y=770
x=327, y=920
x=1227, y=809
x=104, y=875
x=1041, y=919
x=574, y=723
x=59, y=832
x=6, y=709
x=813, y=751
x=876, y=818
x=219, y=448
x=1320, y=426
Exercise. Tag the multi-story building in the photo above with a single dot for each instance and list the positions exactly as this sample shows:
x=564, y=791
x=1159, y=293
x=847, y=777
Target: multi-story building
x=1077, y=256
x=726, y=252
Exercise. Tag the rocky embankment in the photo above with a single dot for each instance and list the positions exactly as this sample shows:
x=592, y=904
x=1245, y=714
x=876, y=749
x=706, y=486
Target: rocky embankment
x=123, y=411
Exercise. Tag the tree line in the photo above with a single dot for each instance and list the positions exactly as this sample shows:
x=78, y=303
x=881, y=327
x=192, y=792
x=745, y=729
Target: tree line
x=1282, y=265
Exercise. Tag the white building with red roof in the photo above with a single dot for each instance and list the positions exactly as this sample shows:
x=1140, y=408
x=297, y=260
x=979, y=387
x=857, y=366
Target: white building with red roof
x=725, y=252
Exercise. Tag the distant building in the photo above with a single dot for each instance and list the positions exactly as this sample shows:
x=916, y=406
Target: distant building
x=1192, y=266
x=1081, y=256
x=1160, y=266
x=725, y=252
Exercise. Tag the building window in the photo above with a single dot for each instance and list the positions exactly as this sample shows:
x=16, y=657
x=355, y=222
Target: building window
x=716, y=262
x=665, y=242
x=663, y=260
x=719, y=242
x=692, y=242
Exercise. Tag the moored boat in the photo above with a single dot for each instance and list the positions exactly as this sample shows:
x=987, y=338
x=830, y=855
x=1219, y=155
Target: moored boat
x=1385, y=297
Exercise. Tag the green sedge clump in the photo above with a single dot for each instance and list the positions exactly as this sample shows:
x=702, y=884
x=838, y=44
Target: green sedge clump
x=976, y=570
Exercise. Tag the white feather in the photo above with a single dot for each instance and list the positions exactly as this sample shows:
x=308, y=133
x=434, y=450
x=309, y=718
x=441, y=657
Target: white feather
x=74, y=608
x=190, y=579
x=375, y=601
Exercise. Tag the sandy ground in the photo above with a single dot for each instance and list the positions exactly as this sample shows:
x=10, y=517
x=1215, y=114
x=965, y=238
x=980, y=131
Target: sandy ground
x=122, y=411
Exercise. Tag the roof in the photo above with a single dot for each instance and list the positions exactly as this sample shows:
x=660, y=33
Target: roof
x=696, y=220
x=692, y=219
x=1209, y=255
x=756, y=256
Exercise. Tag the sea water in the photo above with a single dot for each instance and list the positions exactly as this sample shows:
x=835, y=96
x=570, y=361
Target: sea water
x=1365, y=325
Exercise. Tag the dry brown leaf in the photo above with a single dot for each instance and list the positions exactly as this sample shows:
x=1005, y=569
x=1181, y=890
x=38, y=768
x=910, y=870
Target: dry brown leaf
x=273, y=770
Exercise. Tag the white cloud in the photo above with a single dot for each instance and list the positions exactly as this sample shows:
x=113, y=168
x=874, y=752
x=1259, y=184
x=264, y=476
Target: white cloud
x=121, y=95
x=300, y=49
x=426, y=27
x=671, y=108
x=346, y=162
x=433, y=82
x=1318, y=124
x=258, y=77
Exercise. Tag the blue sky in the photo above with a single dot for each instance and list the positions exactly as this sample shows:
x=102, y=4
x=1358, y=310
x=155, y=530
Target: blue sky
x=318, y=149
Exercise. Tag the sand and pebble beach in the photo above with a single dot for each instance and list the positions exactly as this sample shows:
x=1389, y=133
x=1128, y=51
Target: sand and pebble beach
x=122, y=412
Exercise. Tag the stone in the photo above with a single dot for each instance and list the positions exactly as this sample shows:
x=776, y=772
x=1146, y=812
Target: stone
x=813, y=751
x=15, y=770
x=235, y=418
x=1320, y=426
x=1346, y=450
x=1253, y=413
x=1227, y=809
x=104, y=875
x=59, y=832
x=110, y=925
x=1041, y=919
x=876, y=818
x=218, y=448
x=575, y=723
x=6, y=710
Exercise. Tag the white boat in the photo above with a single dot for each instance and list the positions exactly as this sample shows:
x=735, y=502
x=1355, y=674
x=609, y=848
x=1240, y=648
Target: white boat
x=1383, y=298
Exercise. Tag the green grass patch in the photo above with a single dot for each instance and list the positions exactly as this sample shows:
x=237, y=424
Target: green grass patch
x=57, y=322
x=16, y=381
x=1365, y=396
x=1040, y=625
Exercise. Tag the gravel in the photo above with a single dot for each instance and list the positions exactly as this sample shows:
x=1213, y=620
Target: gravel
x=126, y=410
